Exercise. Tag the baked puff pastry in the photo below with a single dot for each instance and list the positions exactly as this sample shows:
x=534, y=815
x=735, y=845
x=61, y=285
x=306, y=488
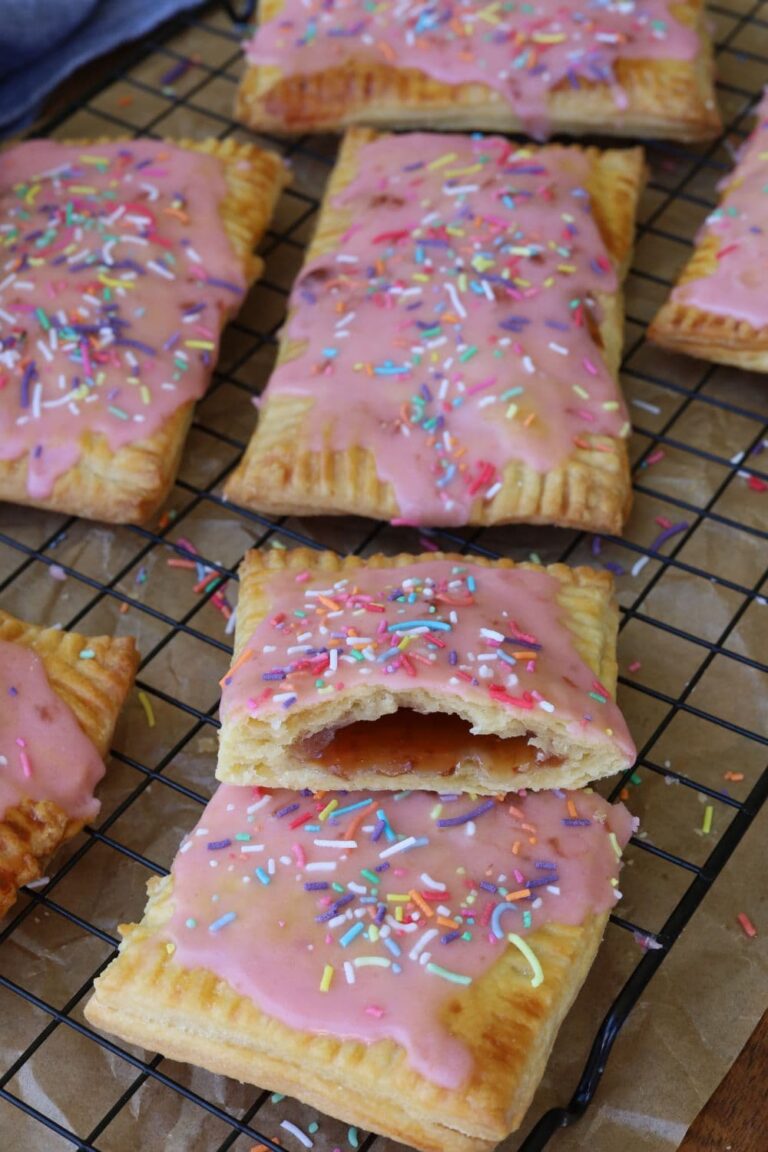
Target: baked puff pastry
x=453, y=341
x=402, y=962
x=426, y=671
x=718, y=309
x=641, y=68
x=60, y=697
x=120, y=263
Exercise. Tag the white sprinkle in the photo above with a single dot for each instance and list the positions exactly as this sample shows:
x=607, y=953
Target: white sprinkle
x=638, y=566
x=422, y=942
x=259, y=804
x=433, y=885
x=395, y=848
x=336, y=843
x=297, y=1132
x=647, y=407
x=321, y=866
x=349, y=972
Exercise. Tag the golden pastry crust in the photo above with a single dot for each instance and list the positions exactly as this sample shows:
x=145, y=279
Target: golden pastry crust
x=146, y=998
x=666, y=99
x=684, y=328
x=280, y=474
x=128, y=486
x=95, y=690
x=253, y=751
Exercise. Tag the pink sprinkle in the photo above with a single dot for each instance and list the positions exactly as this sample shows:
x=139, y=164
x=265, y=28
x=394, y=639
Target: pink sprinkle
x=635, y=666
x=373, y=1010
x=298, y=855
x=654, y=457
x=26, y=767
x=302, y=577
x=663, y=522
x=590, y=367
x=747, y=925
x=428, y=545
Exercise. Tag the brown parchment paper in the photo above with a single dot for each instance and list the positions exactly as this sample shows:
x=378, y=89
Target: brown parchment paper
x=709, y=993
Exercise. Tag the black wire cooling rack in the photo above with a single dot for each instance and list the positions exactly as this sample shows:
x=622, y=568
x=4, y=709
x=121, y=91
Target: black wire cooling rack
x=692, y=590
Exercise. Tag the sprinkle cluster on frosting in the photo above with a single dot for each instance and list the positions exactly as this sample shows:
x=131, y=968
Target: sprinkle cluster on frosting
x=356, y=913
x=524, y=50
x=734, y=288
x=115, y=271
x=460, y=315
x=490, y=634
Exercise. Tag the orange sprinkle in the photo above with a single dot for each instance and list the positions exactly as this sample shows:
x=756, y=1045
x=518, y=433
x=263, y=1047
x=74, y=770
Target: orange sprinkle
x=572, y=810
x=516, y=848
x=179, y=562
x=387, y=51
x=521, y=894
x=735, y=776
x=354, y=824
x=243, y=658
x=446, y=922
x=331, y=604
x=420, y=903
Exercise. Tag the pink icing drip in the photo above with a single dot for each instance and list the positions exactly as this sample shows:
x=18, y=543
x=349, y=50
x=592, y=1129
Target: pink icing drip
x=517, y=604
x=107, y=272
x=44, y=753
x=522, y=51
x=241, y=909
x=457, y=316
x=736, y=288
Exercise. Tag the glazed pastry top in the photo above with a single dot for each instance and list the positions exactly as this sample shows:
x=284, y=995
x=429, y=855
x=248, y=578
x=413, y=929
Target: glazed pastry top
x=44, y=753
x=115, y=276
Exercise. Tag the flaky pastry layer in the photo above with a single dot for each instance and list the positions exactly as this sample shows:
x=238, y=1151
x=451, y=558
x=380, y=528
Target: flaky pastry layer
x=282, y=474
x=128, y=486
x=681, y=327
x=95, y=690
x=509, y=1027
x=254, y=750
x=664, y=99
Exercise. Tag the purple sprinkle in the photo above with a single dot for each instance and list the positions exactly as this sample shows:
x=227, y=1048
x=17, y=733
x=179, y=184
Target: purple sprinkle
x=449, y=936
x=214, y=844
x=453, y=656
x=582, y=822
x=597, y=545
x=454, y=821
x=667, y=534
x=175, y=72
x=545, y=864
x=382, y=867
x=551, y=879
x=316, y=886
x=378, y=830
x=610, y=566
x=288, y=808
x=216, y=283
x=276, y=675
x=381, y=912
x=487, y=886
x=13, y=691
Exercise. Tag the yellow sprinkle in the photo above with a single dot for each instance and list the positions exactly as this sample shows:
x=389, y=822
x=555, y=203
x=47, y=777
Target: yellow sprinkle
x=325, y=983
x=146, y=704
x=86, y=159
x=145, y=394
x=531, y=957
x=328, y=809
x=442, y=161
x=615, y=844
x=398, y=897
x=511, y=412
x=399, y=912
x=373, y=933
x=464, y=171
x=170, y=948
x=610, y=405
x=110, y=283
x=207, y=344
x=81, y=189
x=566, y=267
x=582, y=392
x=706, y=826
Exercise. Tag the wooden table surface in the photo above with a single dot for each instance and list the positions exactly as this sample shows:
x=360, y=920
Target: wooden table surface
x=735, y=1118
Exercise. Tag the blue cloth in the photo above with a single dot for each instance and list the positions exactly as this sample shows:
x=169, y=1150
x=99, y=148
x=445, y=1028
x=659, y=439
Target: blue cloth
x=44, y=41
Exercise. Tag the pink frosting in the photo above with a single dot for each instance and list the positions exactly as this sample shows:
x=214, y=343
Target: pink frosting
x=736, y=288
x=116, y=275
x=406, y=910
x=452, y=332
x=523, y=51
x=44, y=753
x=481, y=634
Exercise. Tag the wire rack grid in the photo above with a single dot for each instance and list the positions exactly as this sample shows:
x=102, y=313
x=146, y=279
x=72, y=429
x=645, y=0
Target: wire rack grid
x=696, y=600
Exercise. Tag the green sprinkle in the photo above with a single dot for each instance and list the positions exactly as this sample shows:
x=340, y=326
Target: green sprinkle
x=191, y=922
x=371, y=876
x=353, y=1137
x=596, y=696
x=636, y=778
x=121, y=415
x=45, y=322
x=706, y=826
x=452, y=977
x=276, y=1097
x=468, y=353
x=87, y=654
x=242, y=835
